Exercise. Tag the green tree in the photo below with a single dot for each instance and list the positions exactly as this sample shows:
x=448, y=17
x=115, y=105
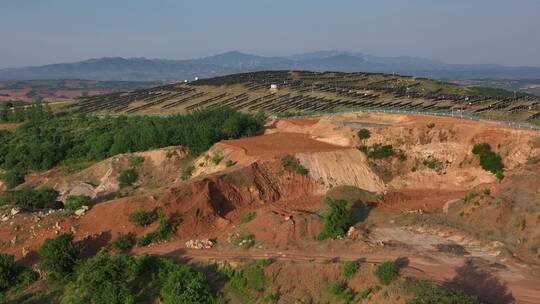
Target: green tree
x=364, y=134
x=58, y=256
x=336, y=219
x=183, y=285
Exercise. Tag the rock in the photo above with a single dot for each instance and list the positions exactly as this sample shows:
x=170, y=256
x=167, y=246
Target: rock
x=25, y=252
x=15, y=211
x=5, y=218
x=82, y=211
x=352, y=233
x=199, y=244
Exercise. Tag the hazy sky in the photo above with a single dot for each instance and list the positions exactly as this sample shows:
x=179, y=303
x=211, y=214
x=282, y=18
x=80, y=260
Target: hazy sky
x=456, y=31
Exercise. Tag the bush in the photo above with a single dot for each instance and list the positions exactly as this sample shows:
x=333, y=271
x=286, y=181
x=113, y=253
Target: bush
x=248, y=218
x=336, y=220
x=292, y=164
x=387, y=272
x=364, y=134
x=58, y=256
x=229, y=163
x=76, y=202
x=216, y=158
x=7, y=271
x=378, y=151
x=143, y=218
x=247, y=282
x=350, y=268
x=489, y=160
x=124, y=242
x=163, y=232
x=428, y=293
x=187, y=172
x=12, y=179
x=340, y=291
x=28, y=198
x=128, y=177
x=136, y=161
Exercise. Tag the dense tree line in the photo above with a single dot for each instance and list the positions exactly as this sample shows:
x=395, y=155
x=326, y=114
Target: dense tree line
x=10, y=113
x=43, y=144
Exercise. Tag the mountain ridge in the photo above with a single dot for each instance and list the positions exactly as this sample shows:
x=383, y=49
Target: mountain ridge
x=145, y=69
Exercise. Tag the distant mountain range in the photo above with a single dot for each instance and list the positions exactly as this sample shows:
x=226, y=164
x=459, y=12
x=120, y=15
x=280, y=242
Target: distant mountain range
x=143, y=69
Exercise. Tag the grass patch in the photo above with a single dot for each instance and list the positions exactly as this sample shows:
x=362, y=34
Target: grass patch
x=248, y=218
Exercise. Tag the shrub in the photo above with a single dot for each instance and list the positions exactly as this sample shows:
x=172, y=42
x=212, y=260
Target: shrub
x=124, y=242
x=248, y=217
x=489, y=160
x=378, y=151
x=364, y=294
x=12, y=179
x=58, y=256
x=428, y=293
x=248, y=281
x=364, y=134
x=387, y=272
x=336, y=220
x=292, y=164
x=7, y=271
x=44, y=198
x=128, y=177
x=433, y=163
x=187, y=172
x=143, y=218
x=76, y=202
x=350, y=268
x=431, y=126
x=340, y=291
x=136, y=161
x=229, y=163
x=216, y=158
x=163, y=232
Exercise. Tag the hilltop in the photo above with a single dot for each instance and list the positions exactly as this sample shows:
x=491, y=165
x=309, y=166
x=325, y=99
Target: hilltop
x=302, y=92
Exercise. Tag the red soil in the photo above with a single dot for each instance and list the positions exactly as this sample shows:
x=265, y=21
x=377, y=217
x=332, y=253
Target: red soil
x=271, y=145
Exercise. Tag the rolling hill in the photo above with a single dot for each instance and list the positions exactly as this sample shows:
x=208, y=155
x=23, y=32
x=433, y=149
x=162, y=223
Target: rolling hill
x=143, y=69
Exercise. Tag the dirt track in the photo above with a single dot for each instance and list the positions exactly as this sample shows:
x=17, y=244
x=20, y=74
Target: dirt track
x=496, y=283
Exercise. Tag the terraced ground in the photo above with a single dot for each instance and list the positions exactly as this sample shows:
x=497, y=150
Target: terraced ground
x=308, y=92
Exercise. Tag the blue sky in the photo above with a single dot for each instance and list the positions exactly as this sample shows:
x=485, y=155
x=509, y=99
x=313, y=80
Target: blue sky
x=457, y=31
